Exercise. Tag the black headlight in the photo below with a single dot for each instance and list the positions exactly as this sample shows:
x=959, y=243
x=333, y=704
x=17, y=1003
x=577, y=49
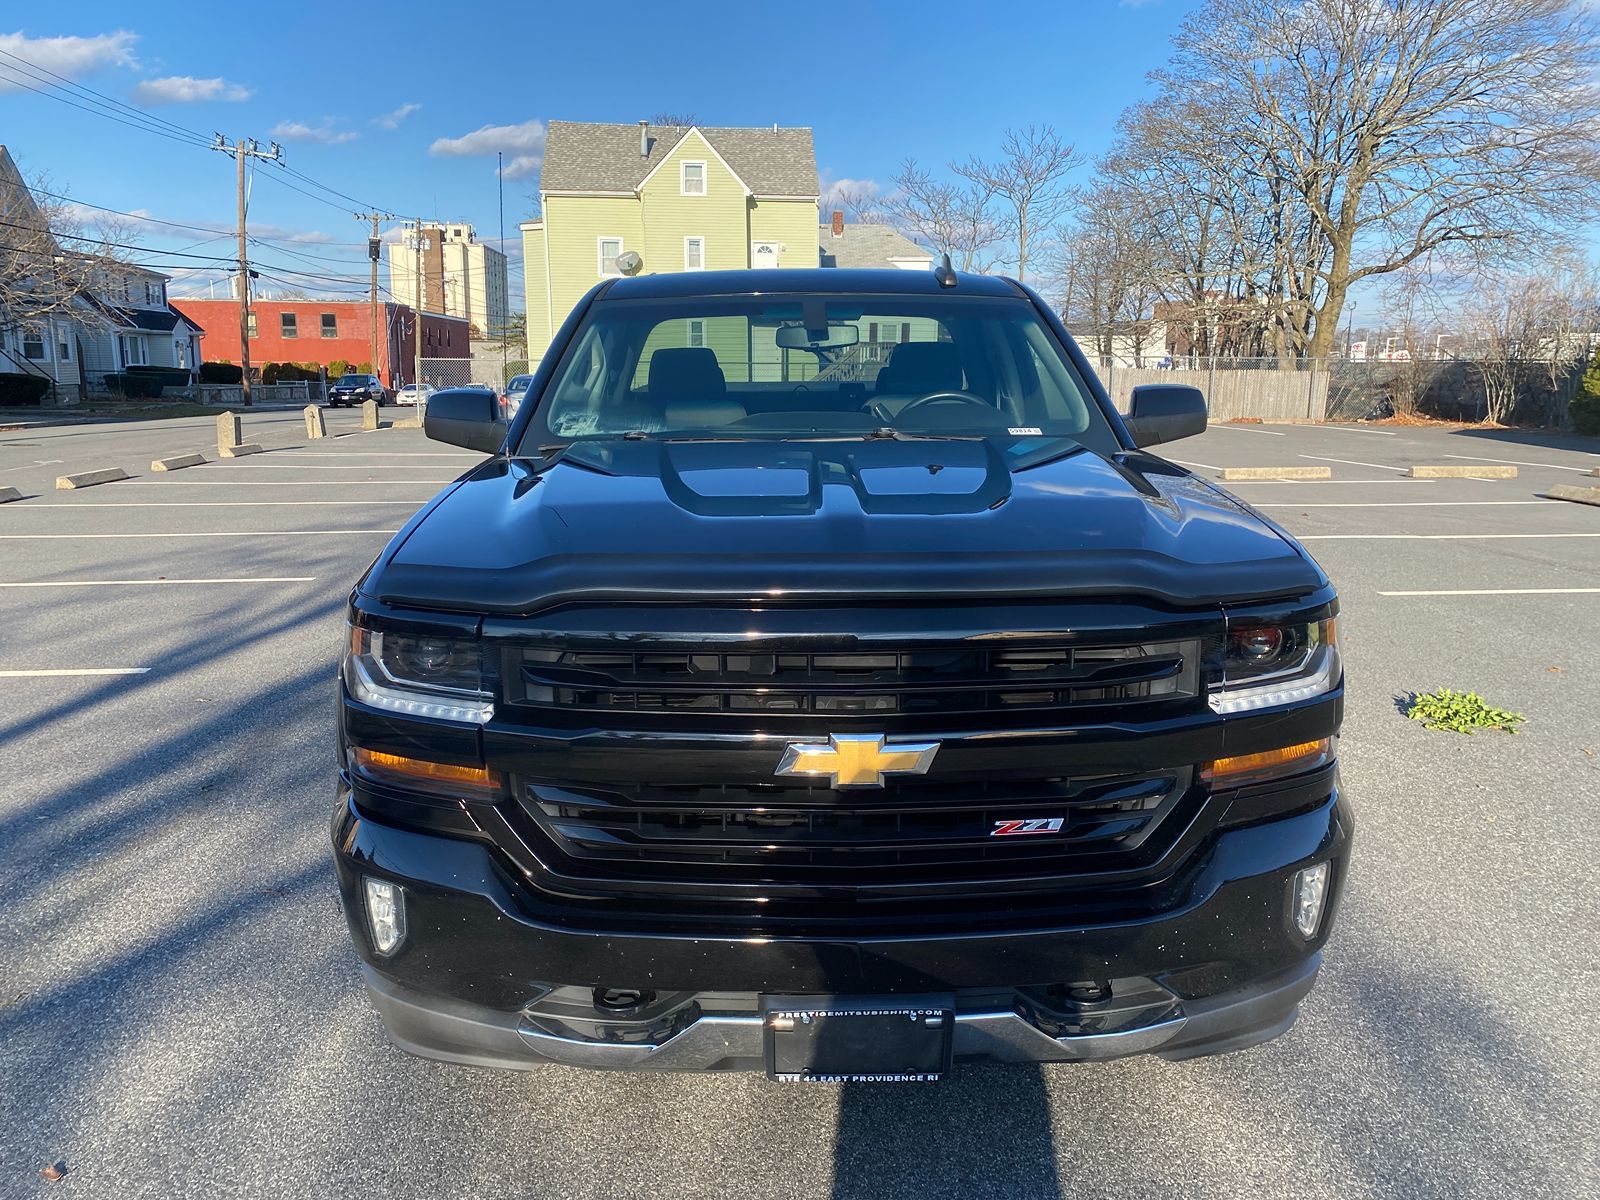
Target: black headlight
x=421, y=675
x=1266, y=665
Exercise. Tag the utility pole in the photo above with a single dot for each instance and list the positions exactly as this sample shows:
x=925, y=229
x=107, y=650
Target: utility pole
x=374, y=245
x=242, y=149
x=505, y=301
x=416, y=318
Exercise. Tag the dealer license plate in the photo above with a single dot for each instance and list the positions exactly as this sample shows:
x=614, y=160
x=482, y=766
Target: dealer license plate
x=855, y=1039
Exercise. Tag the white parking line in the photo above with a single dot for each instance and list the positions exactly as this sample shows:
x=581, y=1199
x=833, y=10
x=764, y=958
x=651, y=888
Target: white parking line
x=1433, y=537
x=1204, y=466
x=238, y=533
x=1413, y=504
x=1347, y=429
x=1305, y=483
x=376, y=454
x=1246, y=429
x=1352, y=462
x=1518, y=462
x=83, y=671
x=1503, y=592
x=63, y=583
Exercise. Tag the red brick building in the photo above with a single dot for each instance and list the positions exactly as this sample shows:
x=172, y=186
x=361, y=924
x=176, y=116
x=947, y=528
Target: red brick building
x=325, y=331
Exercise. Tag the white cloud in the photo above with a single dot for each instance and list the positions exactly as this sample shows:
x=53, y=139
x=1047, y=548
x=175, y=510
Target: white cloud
x=186, y=89
x=846, y=193
x=522, y=166
x=323, y=134
x=522, y=144
x=69, y=56
x=392, y=120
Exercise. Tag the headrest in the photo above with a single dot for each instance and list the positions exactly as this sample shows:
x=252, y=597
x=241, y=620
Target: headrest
x=685, y=374
x=917, y=368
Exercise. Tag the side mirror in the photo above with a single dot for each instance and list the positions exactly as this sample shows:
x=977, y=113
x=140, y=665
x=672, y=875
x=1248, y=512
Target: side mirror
x=1165, y=412
x=465, y=417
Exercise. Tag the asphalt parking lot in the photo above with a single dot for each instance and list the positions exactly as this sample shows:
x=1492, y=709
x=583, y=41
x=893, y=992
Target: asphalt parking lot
x=180, y=1013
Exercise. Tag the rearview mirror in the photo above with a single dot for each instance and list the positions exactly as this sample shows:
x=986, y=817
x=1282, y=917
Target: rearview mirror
x=798, y=337
x=1165, y=412
x=466, y=417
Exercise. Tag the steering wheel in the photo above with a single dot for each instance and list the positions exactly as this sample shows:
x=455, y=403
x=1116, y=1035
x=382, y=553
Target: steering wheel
x=950, y=397
x=929, y=401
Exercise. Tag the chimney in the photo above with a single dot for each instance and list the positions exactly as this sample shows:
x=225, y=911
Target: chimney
x=644, y=139
x=838, y=222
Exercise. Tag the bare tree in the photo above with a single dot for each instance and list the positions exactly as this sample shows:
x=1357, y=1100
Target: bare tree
x=48, y=261
x=1029, y=178
x=1111, y=284
x=675, y=120
x=1365, y=136
x=954, y=219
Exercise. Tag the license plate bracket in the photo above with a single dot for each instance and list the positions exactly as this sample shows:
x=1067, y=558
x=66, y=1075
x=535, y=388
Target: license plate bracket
x=858, y=1039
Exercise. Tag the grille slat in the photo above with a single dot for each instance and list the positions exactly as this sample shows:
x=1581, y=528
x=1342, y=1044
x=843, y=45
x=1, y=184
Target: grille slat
x=822, y=683
x=651, y=833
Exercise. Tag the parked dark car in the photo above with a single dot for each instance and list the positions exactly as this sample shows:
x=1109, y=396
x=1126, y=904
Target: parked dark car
x=774, y=698
x=357, y=389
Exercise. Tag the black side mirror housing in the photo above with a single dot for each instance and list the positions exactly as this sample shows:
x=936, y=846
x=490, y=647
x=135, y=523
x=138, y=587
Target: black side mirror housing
x=466, y=417
x=1165, y=412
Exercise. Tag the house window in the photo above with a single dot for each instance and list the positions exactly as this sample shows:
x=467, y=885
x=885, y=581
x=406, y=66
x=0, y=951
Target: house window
x=289, y=325
x=250, y=325
x=610, y=250
x=63, y=345
x=697, y=333
x=330, y=325
x=152, y=293
x=133, y=351
x=33, y=343
x=694, y=179
x=694, y=254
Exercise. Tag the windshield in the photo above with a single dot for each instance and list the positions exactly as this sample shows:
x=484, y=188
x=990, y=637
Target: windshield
x=519, y=383
x=739, y=367
x=353, y=380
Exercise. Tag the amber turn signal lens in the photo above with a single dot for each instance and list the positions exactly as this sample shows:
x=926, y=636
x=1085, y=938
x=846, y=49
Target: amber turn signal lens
x=442, y=776
x=1267, y=764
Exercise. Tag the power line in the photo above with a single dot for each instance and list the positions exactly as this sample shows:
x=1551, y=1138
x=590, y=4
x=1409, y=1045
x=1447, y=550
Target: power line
x=37, y=71
x=130, y=216
x=17, y=80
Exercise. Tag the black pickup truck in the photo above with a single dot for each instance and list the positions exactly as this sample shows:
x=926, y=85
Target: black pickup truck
x=818, y=677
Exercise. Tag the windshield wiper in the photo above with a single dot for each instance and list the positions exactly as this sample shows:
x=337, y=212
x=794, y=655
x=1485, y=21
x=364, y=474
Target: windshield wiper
x=889, y=433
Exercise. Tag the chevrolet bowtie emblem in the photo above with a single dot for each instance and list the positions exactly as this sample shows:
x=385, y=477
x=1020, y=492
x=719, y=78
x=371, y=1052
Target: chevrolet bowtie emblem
x=857, y=760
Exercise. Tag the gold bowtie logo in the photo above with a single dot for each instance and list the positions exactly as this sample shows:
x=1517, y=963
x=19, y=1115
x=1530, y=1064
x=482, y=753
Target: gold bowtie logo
x=857, y=760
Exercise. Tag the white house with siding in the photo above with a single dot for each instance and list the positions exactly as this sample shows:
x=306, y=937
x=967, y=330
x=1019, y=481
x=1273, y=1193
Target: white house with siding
x=118, y=318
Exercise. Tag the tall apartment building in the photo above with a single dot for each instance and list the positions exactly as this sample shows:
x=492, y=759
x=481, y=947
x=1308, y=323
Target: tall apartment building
x=461, y=276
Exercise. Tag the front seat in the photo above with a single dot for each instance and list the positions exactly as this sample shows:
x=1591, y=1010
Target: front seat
x=687, y=387
x=917, y=369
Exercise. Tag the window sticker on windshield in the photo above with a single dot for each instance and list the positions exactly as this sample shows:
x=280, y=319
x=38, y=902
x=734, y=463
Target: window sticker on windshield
x=1025, y=431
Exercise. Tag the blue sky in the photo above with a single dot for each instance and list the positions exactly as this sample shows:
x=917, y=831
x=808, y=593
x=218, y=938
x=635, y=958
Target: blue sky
x=403, y=106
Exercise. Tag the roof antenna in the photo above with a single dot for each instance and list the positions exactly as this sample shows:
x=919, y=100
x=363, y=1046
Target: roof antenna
x=945, y=274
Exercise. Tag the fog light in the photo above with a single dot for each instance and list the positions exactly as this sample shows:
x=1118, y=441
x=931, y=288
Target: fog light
x=386, y=914
x=1310, y=895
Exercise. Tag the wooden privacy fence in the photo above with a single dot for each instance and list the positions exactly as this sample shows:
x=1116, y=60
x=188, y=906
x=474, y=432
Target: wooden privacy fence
x=1271, y=394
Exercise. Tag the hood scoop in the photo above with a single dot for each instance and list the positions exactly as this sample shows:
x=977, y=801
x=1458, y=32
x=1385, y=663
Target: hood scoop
x=752, y=479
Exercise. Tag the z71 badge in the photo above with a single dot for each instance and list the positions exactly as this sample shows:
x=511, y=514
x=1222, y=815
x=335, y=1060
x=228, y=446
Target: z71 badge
x=1026, y=825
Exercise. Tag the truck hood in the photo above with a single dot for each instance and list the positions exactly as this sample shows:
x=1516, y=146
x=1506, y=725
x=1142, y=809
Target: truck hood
x=956, y=519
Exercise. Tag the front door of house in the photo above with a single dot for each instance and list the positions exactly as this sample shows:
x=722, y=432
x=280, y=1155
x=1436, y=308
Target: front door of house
x=764, y=254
